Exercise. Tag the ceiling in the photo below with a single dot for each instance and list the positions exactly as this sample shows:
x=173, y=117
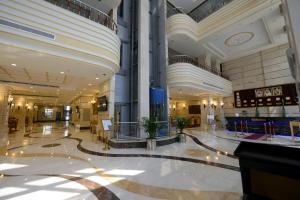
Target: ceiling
x=187, y=5
x=48, y=79
x=189, y=93
x=266, y=28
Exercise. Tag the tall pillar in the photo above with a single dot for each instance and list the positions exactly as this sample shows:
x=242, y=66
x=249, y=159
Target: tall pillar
x=143, y=61
x=204, y=106
x=111, y=105
x=210, y=111
x=4, y=110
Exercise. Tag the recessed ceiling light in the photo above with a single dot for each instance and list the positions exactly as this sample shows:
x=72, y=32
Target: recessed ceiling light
x=90, y=84
x=31, y=87
x=84, y=88
x=97, y=78
x=62, y=72
x=14, y=64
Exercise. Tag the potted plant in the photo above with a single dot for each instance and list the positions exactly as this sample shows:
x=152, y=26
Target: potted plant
x=150, y=126
x=181, y=123
x=217, y=121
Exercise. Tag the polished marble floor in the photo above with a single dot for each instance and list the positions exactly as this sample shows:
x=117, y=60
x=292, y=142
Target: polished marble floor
x=53, y=161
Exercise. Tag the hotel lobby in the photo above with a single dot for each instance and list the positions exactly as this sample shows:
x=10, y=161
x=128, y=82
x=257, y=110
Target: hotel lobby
x=149, y=99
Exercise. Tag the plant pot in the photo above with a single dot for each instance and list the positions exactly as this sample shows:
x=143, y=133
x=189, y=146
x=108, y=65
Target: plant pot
x=151, y=144
x=213, y=127
x=182, y=138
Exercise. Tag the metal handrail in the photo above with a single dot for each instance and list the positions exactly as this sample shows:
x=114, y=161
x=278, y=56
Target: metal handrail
x=82, y=9
x=205, y=9
x=133, y=128
x=187, y=59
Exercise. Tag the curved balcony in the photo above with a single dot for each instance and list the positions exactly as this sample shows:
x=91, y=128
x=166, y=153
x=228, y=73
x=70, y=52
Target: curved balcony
x=86, y=11
x=202, y=11
x=184, y=71
x=187, y=59
x=42, y=28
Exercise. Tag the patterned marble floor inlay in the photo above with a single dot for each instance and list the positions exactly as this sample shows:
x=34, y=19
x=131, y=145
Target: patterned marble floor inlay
x=197, y=141
x=84, y=150
x=78, y=162
x=196, y=153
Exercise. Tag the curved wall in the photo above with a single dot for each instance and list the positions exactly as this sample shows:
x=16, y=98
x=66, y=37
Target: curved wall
x=64, y=33
x=188, y=75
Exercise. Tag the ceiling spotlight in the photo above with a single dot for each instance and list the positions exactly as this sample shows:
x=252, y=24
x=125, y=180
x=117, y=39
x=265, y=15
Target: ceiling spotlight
x=31, y=87
x=97, y=78
x=62, y=72
x=14, y=64
x=90, y=84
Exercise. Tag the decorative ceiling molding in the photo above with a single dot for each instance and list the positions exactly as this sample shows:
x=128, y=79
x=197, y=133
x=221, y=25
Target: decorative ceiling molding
x=215, y=50
x=239, y=39
x=270, y=36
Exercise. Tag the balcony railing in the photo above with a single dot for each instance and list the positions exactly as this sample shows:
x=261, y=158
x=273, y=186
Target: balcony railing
x=86, y=11
x=200, y=12
x=190, y=60
x=131, y=130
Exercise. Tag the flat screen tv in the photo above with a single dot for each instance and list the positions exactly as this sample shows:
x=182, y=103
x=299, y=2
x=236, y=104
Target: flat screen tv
x=194, y=109
x=102, y=104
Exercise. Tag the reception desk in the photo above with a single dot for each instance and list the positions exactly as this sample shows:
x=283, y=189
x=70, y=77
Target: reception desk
x=263, y=125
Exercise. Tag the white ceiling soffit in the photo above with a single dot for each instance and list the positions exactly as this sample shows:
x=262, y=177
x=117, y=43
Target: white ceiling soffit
x=260, y=31
x=33, y=73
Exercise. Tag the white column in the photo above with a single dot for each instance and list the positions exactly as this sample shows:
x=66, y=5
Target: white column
x=111, y=105
x=210, y=110
x=292, y=14
x=4, y=110
x=143, y=61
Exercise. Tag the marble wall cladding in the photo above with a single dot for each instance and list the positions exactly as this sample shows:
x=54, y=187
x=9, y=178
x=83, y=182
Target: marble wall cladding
x=262, y=69
x=3, y=119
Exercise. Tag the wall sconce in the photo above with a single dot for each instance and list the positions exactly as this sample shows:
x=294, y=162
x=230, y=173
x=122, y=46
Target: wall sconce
x=10, y=99
x=204, y=105
x=183, y=105
x=19, y=107
x=222, y=105
x=174, y=107
x=93, y=101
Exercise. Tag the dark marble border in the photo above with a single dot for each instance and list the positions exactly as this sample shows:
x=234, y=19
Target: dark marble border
x=192, y=160
x=51, y=145
x=197, y=141
x=142, y=144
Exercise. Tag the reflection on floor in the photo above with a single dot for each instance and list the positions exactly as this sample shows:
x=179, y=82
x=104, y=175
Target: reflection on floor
x=55, y=162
